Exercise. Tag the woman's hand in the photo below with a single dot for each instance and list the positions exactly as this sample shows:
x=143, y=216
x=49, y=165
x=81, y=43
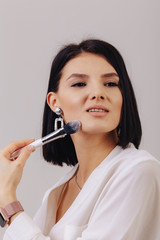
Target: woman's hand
x=11, y=171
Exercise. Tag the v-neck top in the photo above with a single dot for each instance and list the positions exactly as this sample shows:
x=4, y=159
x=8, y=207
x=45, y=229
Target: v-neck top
x=119, y=201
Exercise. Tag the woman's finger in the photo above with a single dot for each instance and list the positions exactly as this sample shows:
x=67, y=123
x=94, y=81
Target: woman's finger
x=24, y=155
x=8, y=150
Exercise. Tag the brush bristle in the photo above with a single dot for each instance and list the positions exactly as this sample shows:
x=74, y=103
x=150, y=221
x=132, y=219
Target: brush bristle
x=72, y=127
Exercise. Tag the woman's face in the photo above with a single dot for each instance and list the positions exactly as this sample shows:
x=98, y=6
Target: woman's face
x=88, y=92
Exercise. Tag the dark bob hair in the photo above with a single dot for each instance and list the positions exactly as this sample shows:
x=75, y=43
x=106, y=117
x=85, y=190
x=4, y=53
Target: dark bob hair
x=129, y=130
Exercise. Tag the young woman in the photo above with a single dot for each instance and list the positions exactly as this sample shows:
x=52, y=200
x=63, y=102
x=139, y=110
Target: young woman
x=113, y=190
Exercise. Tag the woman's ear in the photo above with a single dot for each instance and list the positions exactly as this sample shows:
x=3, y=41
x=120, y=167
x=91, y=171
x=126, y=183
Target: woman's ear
x=52, y=100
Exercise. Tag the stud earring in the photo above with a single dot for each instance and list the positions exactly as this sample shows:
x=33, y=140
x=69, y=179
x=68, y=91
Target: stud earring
x=59, y=120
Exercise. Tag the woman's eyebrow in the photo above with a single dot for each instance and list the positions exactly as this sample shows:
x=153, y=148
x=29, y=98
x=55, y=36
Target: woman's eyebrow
x=112, y=74
x=78, y=75
x=84, y=76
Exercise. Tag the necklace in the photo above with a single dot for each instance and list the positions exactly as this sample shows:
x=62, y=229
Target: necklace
x=76, y=179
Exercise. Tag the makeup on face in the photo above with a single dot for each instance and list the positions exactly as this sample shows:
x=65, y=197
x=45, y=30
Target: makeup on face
x=89, y=91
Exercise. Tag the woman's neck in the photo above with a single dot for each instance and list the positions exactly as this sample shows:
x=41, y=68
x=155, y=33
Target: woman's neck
x=91, y=151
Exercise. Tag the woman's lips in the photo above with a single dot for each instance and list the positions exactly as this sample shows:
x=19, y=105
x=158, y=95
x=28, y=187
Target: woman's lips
x=97, y=111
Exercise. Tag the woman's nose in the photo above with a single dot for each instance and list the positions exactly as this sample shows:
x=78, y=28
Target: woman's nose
x=97, y=94
x=97, y=97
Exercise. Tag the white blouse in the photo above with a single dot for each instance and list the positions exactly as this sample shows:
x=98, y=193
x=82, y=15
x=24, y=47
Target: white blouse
x=119, y=201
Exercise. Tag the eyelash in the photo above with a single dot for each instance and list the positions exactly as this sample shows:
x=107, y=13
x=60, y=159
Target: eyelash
x=82, y=84
x=78, y=84
x=111, y=84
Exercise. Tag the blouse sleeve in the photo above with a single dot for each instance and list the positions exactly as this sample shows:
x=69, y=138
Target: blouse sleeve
x=24, y=228
x=130, y=208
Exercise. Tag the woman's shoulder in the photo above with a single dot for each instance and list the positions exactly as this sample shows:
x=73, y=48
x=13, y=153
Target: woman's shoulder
x=131, y=154
x=138, y=162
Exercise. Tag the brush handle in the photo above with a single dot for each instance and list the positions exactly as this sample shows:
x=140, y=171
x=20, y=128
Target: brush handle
x=60, y=133
x=34, y=144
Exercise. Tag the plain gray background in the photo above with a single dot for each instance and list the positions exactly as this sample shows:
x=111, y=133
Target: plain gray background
x=31, y=33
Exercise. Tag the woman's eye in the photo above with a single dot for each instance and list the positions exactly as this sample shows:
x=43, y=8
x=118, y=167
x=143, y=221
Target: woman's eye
x=111, y=84
x=78, y=84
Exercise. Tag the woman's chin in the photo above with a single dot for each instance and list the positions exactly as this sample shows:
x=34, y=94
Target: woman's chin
x=94, y=130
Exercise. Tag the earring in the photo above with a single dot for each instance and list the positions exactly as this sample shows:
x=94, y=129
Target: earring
x=59, y=120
